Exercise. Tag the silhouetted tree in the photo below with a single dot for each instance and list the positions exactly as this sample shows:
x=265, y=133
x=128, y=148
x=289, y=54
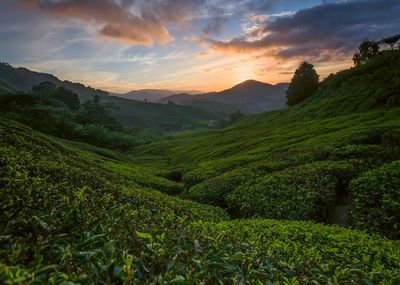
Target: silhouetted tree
x=68, y=97
x=97, y=112
x=366, y=50
x=44, y=90
x=47, y=90
x=304, y=83
x=391, y=41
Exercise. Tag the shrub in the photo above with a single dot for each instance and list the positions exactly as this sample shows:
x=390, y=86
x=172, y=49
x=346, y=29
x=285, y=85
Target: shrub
x=306, y=192
x=102, y=136
x=377, y=200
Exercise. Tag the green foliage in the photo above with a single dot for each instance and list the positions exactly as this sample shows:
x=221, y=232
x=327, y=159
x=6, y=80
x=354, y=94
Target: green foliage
x=101, y=136
x=282, y=252
x=47, y=91
x=167, y=117
x=303, y=84
x=306, y=192
x=97, y=112
x=87, y=210
x=377, y=200
x=77, y=213
x=263, y=164
x=366, y=50
x=72, y=216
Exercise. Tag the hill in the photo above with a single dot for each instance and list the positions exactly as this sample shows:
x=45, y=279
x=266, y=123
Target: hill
x=131, y=114
x=153, y=95
x=105, y=219
x=249, y=97
x=23, y=79
x=350, y=126
x=141, y=115
x=6, y=87
x=75, y=213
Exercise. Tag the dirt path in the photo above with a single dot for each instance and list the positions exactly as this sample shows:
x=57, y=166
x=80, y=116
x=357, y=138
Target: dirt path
x=340, y=215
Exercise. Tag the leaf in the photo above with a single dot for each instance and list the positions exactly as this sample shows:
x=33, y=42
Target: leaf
x=144, y=235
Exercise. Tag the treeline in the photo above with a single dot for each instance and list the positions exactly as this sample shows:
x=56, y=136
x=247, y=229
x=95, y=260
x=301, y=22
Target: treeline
x=59, y=112
x=305, y=81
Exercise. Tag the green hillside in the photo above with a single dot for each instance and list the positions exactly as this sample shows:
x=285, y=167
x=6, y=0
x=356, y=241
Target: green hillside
x=6, y=87
x=298, y=163
x=141, y=115
x=137, y=115
x=73, y=213
x=70, y=214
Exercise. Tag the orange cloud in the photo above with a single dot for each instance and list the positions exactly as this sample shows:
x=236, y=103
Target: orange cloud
x=330, y=31
x=128, y=20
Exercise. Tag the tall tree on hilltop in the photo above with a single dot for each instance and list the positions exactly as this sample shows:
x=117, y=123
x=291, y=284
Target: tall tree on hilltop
x=304, y=83
x=366, y=50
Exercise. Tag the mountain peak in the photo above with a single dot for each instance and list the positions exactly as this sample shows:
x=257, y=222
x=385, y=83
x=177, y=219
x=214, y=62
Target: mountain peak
x=250, y=83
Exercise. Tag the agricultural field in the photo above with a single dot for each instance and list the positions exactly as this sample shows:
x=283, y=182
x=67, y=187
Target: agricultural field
x=251, y=203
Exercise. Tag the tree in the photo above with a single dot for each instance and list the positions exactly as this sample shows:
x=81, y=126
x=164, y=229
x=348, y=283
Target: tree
x=44, y=90
x=47, y=90
x=366, y=50
x=68, y=97
x=97, y=112
x=391, y=41
x=304, y=83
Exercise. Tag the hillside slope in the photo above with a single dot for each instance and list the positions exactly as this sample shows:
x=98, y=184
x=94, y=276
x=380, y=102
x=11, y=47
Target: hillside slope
x=73, y=215
x=130, y=113
x=298, y=163
x=24, y=79
x=142, y=115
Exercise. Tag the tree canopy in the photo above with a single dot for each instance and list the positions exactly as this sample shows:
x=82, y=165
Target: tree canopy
x=304, y=83
x=47, y=90
x=366, y=50
x=391, y=41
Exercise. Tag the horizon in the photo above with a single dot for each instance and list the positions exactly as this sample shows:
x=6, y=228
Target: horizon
x=120, y=46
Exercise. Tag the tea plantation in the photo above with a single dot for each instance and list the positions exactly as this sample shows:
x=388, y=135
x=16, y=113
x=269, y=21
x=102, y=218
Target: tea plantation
x=248, y=204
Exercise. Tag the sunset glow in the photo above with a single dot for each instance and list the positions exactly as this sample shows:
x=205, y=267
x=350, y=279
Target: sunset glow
x=203, y=45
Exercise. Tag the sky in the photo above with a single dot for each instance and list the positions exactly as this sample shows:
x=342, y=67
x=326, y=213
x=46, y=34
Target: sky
x=207, y=45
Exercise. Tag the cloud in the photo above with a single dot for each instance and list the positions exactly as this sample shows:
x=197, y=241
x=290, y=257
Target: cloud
x=320, y=32
x=138, y=22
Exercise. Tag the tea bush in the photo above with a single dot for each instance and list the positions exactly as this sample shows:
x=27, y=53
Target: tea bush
x=377, y=200
x=306, y=192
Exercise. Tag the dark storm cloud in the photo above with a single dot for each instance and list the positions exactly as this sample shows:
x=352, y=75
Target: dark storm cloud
x=330, y=27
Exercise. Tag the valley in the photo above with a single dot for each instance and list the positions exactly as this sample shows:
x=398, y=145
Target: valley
x=306, y=194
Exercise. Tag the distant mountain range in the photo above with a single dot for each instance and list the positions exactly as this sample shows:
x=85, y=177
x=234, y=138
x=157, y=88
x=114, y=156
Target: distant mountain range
x=250, y=96
x=22, y=79
x=153, y=95
x=134, y=114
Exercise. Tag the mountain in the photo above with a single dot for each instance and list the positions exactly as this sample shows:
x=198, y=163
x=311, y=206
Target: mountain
x=252, y=91
x=153, y=95
x=250, y=96
x=132, y=114
x=23, y=79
